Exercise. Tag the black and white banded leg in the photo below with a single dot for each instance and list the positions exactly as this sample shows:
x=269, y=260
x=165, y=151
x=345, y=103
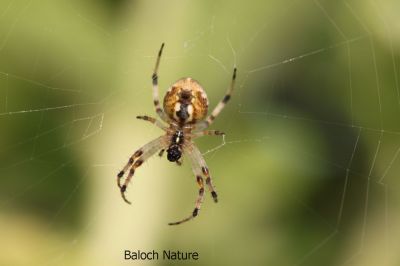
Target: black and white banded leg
x=137, y=160
x=199, y=169
x=154, y=78
x=199, y=201
x=153, y=120
x=220, y=106
x=208, y=133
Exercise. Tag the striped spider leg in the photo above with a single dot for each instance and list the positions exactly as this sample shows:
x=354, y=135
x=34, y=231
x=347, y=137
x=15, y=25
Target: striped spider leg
x=200, y=170
x=154, y=78
x=207, y=133
x=137, y=160
x=153, y=121
x=201, y=125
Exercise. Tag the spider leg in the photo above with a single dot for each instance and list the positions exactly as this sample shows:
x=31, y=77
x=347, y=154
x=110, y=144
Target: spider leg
x=153, y=121
x=220, y=106
x=161, y=152
x=207, y=133
x=154, y=77
x=136, y=160
x=199, y=169
x=199, y=201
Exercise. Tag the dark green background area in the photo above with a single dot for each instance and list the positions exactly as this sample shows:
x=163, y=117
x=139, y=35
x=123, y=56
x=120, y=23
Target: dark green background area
x=307, y=173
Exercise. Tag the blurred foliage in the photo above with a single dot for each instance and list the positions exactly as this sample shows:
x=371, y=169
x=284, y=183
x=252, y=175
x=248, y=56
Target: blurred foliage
x=307, y=175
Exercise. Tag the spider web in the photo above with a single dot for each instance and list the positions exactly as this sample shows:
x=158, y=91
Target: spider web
x=313, y=135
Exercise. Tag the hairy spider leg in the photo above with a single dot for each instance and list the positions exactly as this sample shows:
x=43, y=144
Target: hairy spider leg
x=199, y=201
x=207, y=133
x=154, y=78
x=137, y=160
x=220, y=106
x=152, y=120
x=199, y=165
x=199, y=168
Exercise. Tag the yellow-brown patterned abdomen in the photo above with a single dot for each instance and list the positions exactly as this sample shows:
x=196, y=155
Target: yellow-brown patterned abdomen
x=186, y=102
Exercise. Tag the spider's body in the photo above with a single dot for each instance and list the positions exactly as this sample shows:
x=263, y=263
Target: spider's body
x=186, y=102
x=185, y=110
x=174, y=151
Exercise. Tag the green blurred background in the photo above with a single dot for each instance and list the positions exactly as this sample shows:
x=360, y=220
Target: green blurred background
x=308, y=172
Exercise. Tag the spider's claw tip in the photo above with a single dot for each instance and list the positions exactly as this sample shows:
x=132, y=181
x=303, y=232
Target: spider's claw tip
x=214, y=196
x=123, y=189
x=161, y=49
x=125, y=199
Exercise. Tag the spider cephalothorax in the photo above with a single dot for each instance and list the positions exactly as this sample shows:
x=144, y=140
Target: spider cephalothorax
x=174, y=151
x=185, y=110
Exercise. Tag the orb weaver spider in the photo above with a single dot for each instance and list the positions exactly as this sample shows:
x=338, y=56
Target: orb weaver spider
x=184, y=110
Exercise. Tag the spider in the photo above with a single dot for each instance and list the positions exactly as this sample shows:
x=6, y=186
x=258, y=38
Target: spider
x=185, y=107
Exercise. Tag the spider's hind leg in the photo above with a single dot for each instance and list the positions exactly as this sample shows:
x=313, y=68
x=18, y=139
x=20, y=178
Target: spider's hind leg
x=154, y=79
x=220, y=106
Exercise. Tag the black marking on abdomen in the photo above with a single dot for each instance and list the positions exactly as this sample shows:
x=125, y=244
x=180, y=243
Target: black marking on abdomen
x=183, y=113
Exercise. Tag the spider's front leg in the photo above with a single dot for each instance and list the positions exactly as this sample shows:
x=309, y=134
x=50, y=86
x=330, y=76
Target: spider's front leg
x=137, y=160
x=200, y=169
x=199, y=201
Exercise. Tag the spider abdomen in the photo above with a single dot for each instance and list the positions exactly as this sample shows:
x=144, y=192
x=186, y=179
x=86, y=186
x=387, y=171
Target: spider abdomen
x=186, y=101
